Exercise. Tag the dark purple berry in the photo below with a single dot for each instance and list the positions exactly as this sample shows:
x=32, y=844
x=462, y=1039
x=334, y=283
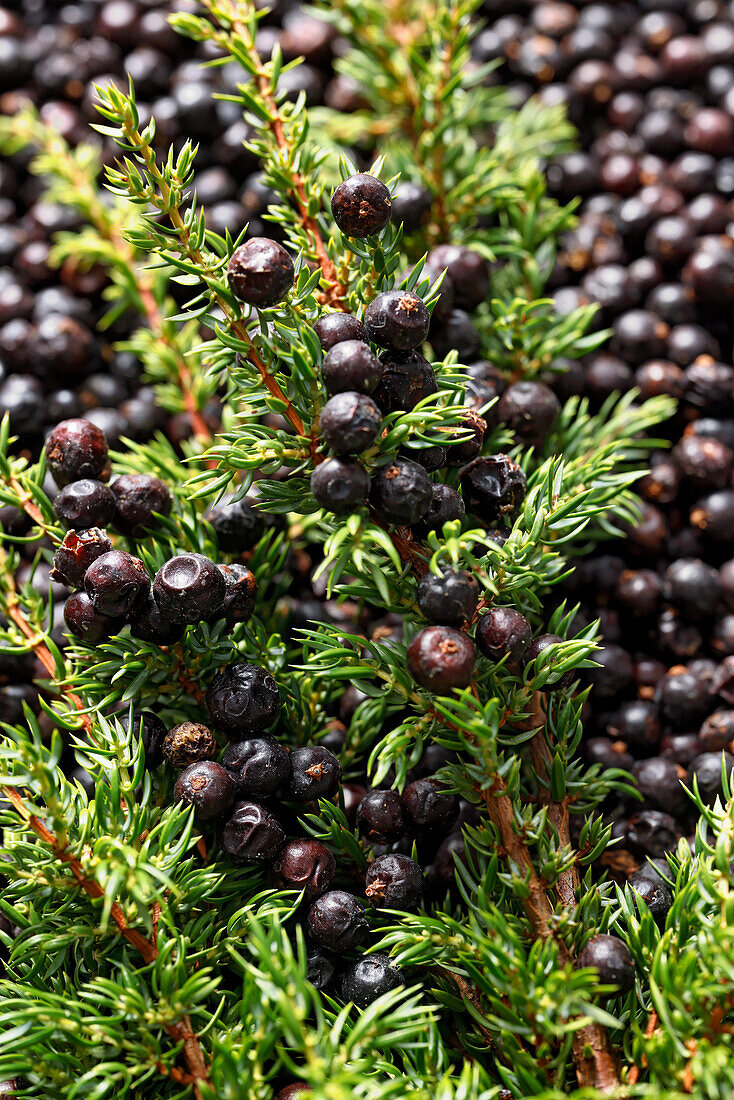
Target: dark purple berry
x=239, y=594
x=86, y=623
x=77, y=449
x=708, y=771
x=137, y=497
x=152, y=732
x=529, y=409
x=468, y=271
x=237, y=525
x=188, y=743
x=115, y=581
x=84, y=504
x=349, y=423
x=336, y=328
x=651, y=833
x=494, y=488
x=76, y=553
x=449, y=598
x=534, y=650
x=503, y=632
x=401, y=492
x=381, y=816
x=340, y=485
x=260, y=765
x=189, y=588
x=394, y=882
x=251, y=834
x=429, y=804
x=350, y=366
x=148, y=622
x=243, y=699
x=337, y=922
x=446, y=505
x=610, y=956
x=306, y=865
x=411, y=203
x=655, y=895
x=361, y=205
x=260, y=272
x=315, y=773
x=398, y=320
x=440, y=659
x=369, y=978
x=206, y=786
x=407, y=378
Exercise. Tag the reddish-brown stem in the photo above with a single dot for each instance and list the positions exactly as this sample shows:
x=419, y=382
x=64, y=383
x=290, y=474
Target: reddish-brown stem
x=652, y=1023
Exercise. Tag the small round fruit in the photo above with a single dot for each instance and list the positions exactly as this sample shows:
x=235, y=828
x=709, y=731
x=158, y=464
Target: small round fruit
x=450, y=598
x=361, y=205
x=188, y=743
x=401, y=492
x=494, y=488
x=152, y=732
x=394, y=882
x=349, y=423
x=77, y=449
x=137, y=498
x=411, y=203
x=446, y=505
x=707, y=770
x=440, y=659
x=86, y=623
x=503, y=632
x=381, y=816
x=76, y=553
x=115, y=581
x=320, y=970
x=84, y=504
x=397, y=319
x=251, y=834
x=149, y=624
x=206, y=786
x=239, y=594
x=336, y=328
x=243, y=699
x=340, y=485
x=536, y=647
x=315, y=773
x=337, y=922
x=368, y=978
x=260, y=272
x=407, y=378
x=654, y=893
x=260, y=765
x=429, y=804
x=237, y=525
x=611, y=957
x=306, y=865
x=529, y=409
x=350, y=366
x=468, y=271
x=189, y=588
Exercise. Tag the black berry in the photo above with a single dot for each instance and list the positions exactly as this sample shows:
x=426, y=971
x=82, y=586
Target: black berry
x=611, y=957
x=394, y=882
x=206, y=786
x=446, y=505
x=84, y=504
x=239, y=594
x=449, y=598
x=86, y=623
x=340, y=485
x=440, y=658
x=503, y=632
x=152, y=732
x=655, y=895
x=115, y=581
x=651, y=833
x=237, y=525
x=335, y=328
x=381, y=816
x=337, y=922
x=397, y=319
x=260, y=765
x=77, y=449
x=188, y=743
x=401, y=492
x=260, y=272
x=707, y=771
x=494, y=488
x=429, y=804
x=306, y=865
x=76, y=553
x=243, y=699
x=538, y=646
x=137, y=497
x=368, y=978
x=468, y=271
x=361, y=205
x=148, y=622
x=411, y=203
x=406, y=379
x=529, y=409
x=189, y=588
x=251, y=834
x=350, y=366
x=315, y=773
x=349, y=422
x=319, y=972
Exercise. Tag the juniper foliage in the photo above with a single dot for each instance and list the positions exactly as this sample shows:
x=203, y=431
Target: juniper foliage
x=141, y=968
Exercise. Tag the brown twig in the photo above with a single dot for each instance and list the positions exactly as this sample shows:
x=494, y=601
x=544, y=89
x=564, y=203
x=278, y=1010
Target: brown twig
x=652, y=1023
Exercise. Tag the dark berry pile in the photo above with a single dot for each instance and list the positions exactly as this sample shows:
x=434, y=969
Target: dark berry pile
x=651, y=88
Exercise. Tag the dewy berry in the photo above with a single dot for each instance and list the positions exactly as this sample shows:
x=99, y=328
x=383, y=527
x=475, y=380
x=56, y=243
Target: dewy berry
x=306, y=865
x=494, y=488
x=406, y=378
x=368, y=978
x=260, y=272
x=86, y=623
x=361, y=205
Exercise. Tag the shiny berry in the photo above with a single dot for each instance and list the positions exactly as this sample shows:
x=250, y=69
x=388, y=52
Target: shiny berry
x=361, y=205
x=369, y=978
x=84, y=504
x=189, y=588
x=401, y=492
x=336, y=328
x=397, y=319
x=319, y=972
x=503, y=632
x=651, y=833
x=446, y=505
x=260, y=765
x=188, y=743
x=494, y=488
x=407, y=378
x=411, y=203
x=337, y=922
x=115, y=581
x=381, y=816
x=315, y=773
x=529, y=409
x=429, y=804
x=655, y=895
x=394, y=882
x=206, y=786
x=340, y=485
x=468, y=271
x=714, y=515
x=239, y=594
x=610, y=956
x=534, y=650
x=440, y=659
x=448, y=598
x=148, y=622
x=137, y=498
x=260, y=272
x=349, y=422
x=86, y=623
x=707, y=770
x=306, y=865
x=350, y=366
x=76, y=553
x=243, y=699
x=77, y=449
x=251, y=834
x=237, y=525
